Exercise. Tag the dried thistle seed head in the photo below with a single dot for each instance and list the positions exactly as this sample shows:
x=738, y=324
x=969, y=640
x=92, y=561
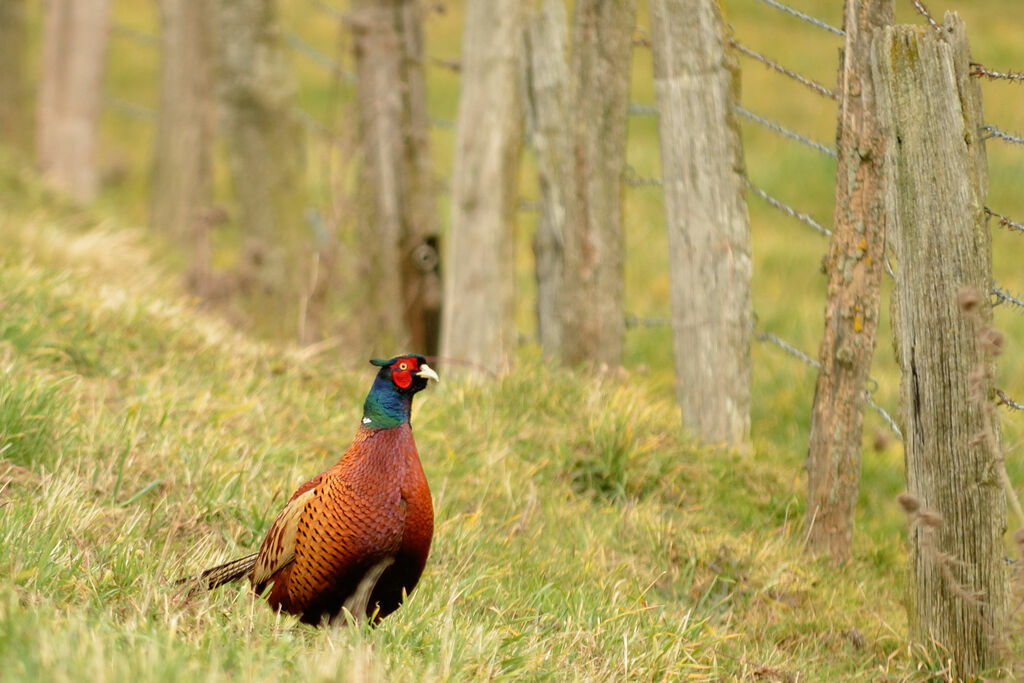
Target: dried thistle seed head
x=991, y=340
x=909, y=503
x=969, y=299
x=931, y=518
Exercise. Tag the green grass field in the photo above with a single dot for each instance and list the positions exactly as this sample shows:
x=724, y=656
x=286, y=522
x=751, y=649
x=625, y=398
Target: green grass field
x=581, y=535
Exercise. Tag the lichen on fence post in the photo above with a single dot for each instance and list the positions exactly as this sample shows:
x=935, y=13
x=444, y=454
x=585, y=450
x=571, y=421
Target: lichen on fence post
x=854, y=268
x=930, y=110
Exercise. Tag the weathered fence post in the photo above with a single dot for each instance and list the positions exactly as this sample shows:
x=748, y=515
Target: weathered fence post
x=479, y=273
x=547, y=108
x=854, y=269
x=930, y=112
x=75, y=36
x=593, y=314
x=266, y=155
x=182, y=182
x=696, y=83
x=397, y=223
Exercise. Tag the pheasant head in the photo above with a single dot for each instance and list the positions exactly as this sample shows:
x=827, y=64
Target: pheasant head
x=390, y=399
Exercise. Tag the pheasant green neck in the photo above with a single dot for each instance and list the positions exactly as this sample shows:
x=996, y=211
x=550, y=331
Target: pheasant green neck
x=385, y=407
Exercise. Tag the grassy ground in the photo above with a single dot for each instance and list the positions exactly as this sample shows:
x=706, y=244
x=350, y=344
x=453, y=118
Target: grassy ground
x=580, y=534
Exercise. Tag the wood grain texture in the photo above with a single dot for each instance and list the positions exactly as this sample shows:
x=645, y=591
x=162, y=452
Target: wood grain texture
x=930, y=111
x=593, y=314
x=479, y=293
x=696, y=84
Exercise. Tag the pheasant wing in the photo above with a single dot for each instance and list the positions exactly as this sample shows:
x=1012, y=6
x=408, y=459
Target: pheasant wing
x=278, y=548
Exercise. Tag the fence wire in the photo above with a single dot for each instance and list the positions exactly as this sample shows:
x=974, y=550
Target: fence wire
x=805, y=17
x=637, y=109
x=318, y=57
x=980, y=70
x=1004, y=221
x=1005, y=400
x=793, y=135
x=139, y=36
x=919, y=6
x=803, y=80
x=993, y=132
x=631, y=177
x=768, y=337
x=789, y=211
x=1003, y=296
x=131, y=109
x=329, y=9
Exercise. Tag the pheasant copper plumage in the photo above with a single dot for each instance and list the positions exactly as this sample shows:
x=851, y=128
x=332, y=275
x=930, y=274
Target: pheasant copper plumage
x=356, y=535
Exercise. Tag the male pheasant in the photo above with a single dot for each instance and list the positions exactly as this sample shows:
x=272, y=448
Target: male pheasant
x=356, y=535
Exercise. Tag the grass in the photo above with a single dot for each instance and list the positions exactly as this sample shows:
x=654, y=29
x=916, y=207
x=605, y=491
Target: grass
x=580, y=533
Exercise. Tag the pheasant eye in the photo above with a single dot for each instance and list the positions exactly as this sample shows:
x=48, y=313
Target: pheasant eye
x=403, y=366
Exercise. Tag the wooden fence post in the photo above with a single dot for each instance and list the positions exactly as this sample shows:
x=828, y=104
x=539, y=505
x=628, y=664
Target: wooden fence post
x=266, y=156
x=696, y=83
x=182, y=182
x=397, y=224
x=930, y=112
x=547, y=107
x=479, y=272
x=854, y=269
x=75, y=36
x=593, y=313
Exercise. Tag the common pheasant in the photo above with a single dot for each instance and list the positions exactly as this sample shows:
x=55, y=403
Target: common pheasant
x=356, y=535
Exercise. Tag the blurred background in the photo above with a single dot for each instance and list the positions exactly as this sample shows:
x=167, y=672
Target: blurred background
x=299, y=69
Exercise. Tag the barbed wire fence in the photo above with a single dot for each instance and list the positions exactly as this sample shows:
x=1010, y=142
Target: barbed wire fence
x=1000, y=296
x=633, y=179
x=324, y=132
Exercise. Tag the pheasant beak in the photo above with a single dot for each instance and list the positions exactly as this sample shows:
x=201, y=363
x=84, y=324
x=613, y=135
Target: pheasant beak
x=427, y=372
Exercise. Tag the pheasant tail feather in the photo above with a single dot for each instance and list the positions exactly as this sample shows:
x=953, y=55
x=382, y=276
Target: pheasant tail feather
x=224, y=573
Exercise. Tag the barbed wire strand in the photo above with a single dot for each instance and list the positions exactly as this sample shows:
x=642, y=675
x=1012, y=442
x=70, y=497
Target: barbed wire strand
x=768, y=337
x=633, y=321
x=803, y=80
x=138, y=35
x=994, y=132
x=135, y=111
x=784, y=208
x=631, y=177
x=1005, y=400
x=310, y=122
x=329, y=9
x=314, y=55
x=637, y=109
x=980, y=70
x=1004, y=221
x=805, y=17
x=793, y=135
x=1005, y=297
x=919, y=6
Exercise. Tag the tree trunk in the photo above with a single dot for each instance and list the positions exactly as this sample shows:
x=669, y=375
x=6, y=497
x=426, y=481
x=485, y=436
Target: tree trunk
x=696, y=81
x=480, y=264
x=15, y=115
x=265, y=158
x=930, y=112
x=182, y=164
x=854, y=269
x=398, y=220
x=75, y=36
x=547, y=99
x=592, y=306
